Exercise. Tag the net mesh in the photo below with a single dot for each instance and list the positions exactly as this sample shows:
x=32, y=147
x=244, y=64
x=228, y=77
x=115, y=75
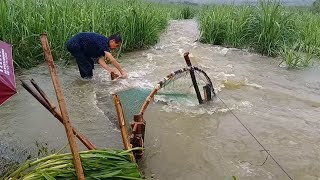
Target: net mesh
x=132, y=101
x=178, y=88
x=181, y=88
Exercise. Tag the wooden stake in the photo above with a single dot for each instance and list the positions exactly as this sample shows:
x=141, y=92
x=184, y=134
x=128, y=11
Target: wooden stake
x=122, y=125
x=62, y=105
x=193, y=78
x=207, y=92
x=138, y=132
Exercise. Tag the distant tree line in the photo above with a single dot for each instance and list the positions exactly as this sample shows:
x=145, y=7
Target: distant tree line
x=316, y=6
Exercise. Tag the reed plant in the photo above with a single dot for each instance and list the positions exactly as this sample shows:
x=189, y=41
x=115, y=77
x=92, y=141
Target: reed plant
x=213, y=24
x=21, y=21
x=316, y=6
x=188, y=12
x=268, y=28
x=297, y=55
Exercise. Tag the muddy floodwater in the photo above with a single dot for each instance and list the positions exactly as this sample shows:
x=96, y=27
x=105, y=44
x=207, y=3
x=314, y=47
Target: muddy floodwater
x=184, y=141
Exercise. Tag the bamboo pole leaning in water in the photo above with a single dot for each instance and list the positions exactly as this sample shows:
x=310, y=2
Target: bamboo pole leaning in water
x=45, y=101
x=122, y=126
x=62, y=105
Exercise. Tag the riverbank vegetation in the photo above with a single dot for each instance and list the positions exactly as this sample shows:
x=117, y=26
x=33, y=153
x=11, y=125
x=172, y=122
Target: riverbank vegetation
x=269, y=28
x=292, y=33
x=21, y=21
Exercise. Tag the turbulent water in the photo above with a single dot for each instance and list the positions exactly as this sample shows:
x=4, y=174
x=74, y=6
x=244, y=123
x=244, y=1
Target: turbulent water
x=280, y=107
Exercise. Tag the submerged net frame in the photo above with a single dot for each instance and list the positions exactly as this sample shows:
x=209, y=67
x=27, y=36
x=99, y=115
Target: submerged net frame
x=133, y=134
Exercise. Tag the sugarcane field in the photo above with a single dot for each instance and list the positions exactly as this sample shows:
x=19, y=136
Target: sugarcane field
x=159, y=89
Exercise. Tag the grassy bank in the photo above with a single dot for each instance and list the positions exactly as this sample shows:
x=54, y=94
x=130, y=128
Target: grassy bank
x=269, y=28
x=21, y=22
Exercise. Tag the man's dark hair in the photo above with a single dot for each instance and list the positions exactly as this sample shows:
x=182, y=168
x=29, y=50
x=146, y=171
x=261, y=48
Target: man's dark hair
x=117, y=38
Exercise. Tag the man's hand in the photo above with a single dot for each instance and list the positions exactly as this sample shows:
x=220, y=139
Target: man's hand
x=106, y=67
x=112, y=70
x=124, y=74
x=115, y=63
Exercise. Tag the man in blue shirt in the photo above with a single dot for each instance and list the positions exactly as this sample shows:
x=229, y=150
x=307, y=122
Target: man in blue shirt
x=89, y=48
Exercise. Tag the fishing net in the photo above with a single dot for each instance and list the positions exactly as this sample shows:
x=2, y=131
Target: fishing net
x=180, y=88
x=187, y=86
x=177, y=87
x=131, y=101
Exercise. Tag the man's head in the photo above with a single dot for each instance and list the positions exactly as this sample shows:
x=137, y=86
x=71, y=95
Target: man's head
x=115, y=41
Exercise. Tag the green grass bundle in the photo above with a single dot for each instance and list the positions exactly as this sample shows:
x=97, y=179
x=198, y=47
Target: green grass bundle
x=97, y=164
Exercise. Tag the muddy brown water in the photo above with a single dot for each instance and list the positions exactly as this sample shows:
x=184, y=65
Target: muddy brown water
x=184, y=140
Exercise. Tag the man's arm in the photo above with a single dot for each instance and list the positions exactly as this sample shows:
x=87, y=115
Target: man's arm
x=105, y=66
x=115, y=63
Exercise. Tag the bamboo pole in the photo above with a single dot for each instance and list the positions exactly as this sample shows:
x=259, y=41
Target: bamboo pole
x=36, y=95
x=62, y=105
x=193, y=78
x=44, y=96
x=122, y=125
x=46, y=102
x=149, y=99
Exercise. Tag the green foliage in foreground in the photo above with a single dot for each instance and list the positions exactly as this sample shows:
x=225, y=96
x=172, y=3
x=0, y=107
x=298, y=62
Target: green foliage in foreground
x=97, y=164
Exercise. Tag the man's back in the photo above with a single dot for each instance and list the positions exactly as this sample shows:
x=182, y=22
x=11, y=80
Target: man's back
x=90, y=43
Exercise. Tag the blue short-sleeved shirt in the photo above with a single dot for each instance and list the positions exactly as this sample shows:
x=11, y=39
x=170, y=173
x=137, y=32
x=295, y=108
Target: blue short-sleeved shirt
x=91, y=44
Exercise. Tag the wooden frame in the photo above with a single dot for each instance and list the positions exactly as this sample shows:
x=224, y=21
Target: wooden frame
x=138, y=123
x=122, y=125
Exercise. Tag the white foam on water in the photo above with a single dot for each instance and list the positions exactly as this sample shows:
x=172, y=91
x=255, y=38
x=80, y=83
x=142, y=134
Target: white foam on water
x=252, y=84
x=158, y=47
x=229, y=66
x=192, y=107
x=131, y=83
x=223, y=76
x=150, y=56
x=182, y=51
x=135, y=79
x=224, y=110
x=246, y=167
x=246, y=104
x=224, y=51
x=185, y=110
x=137, y=74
